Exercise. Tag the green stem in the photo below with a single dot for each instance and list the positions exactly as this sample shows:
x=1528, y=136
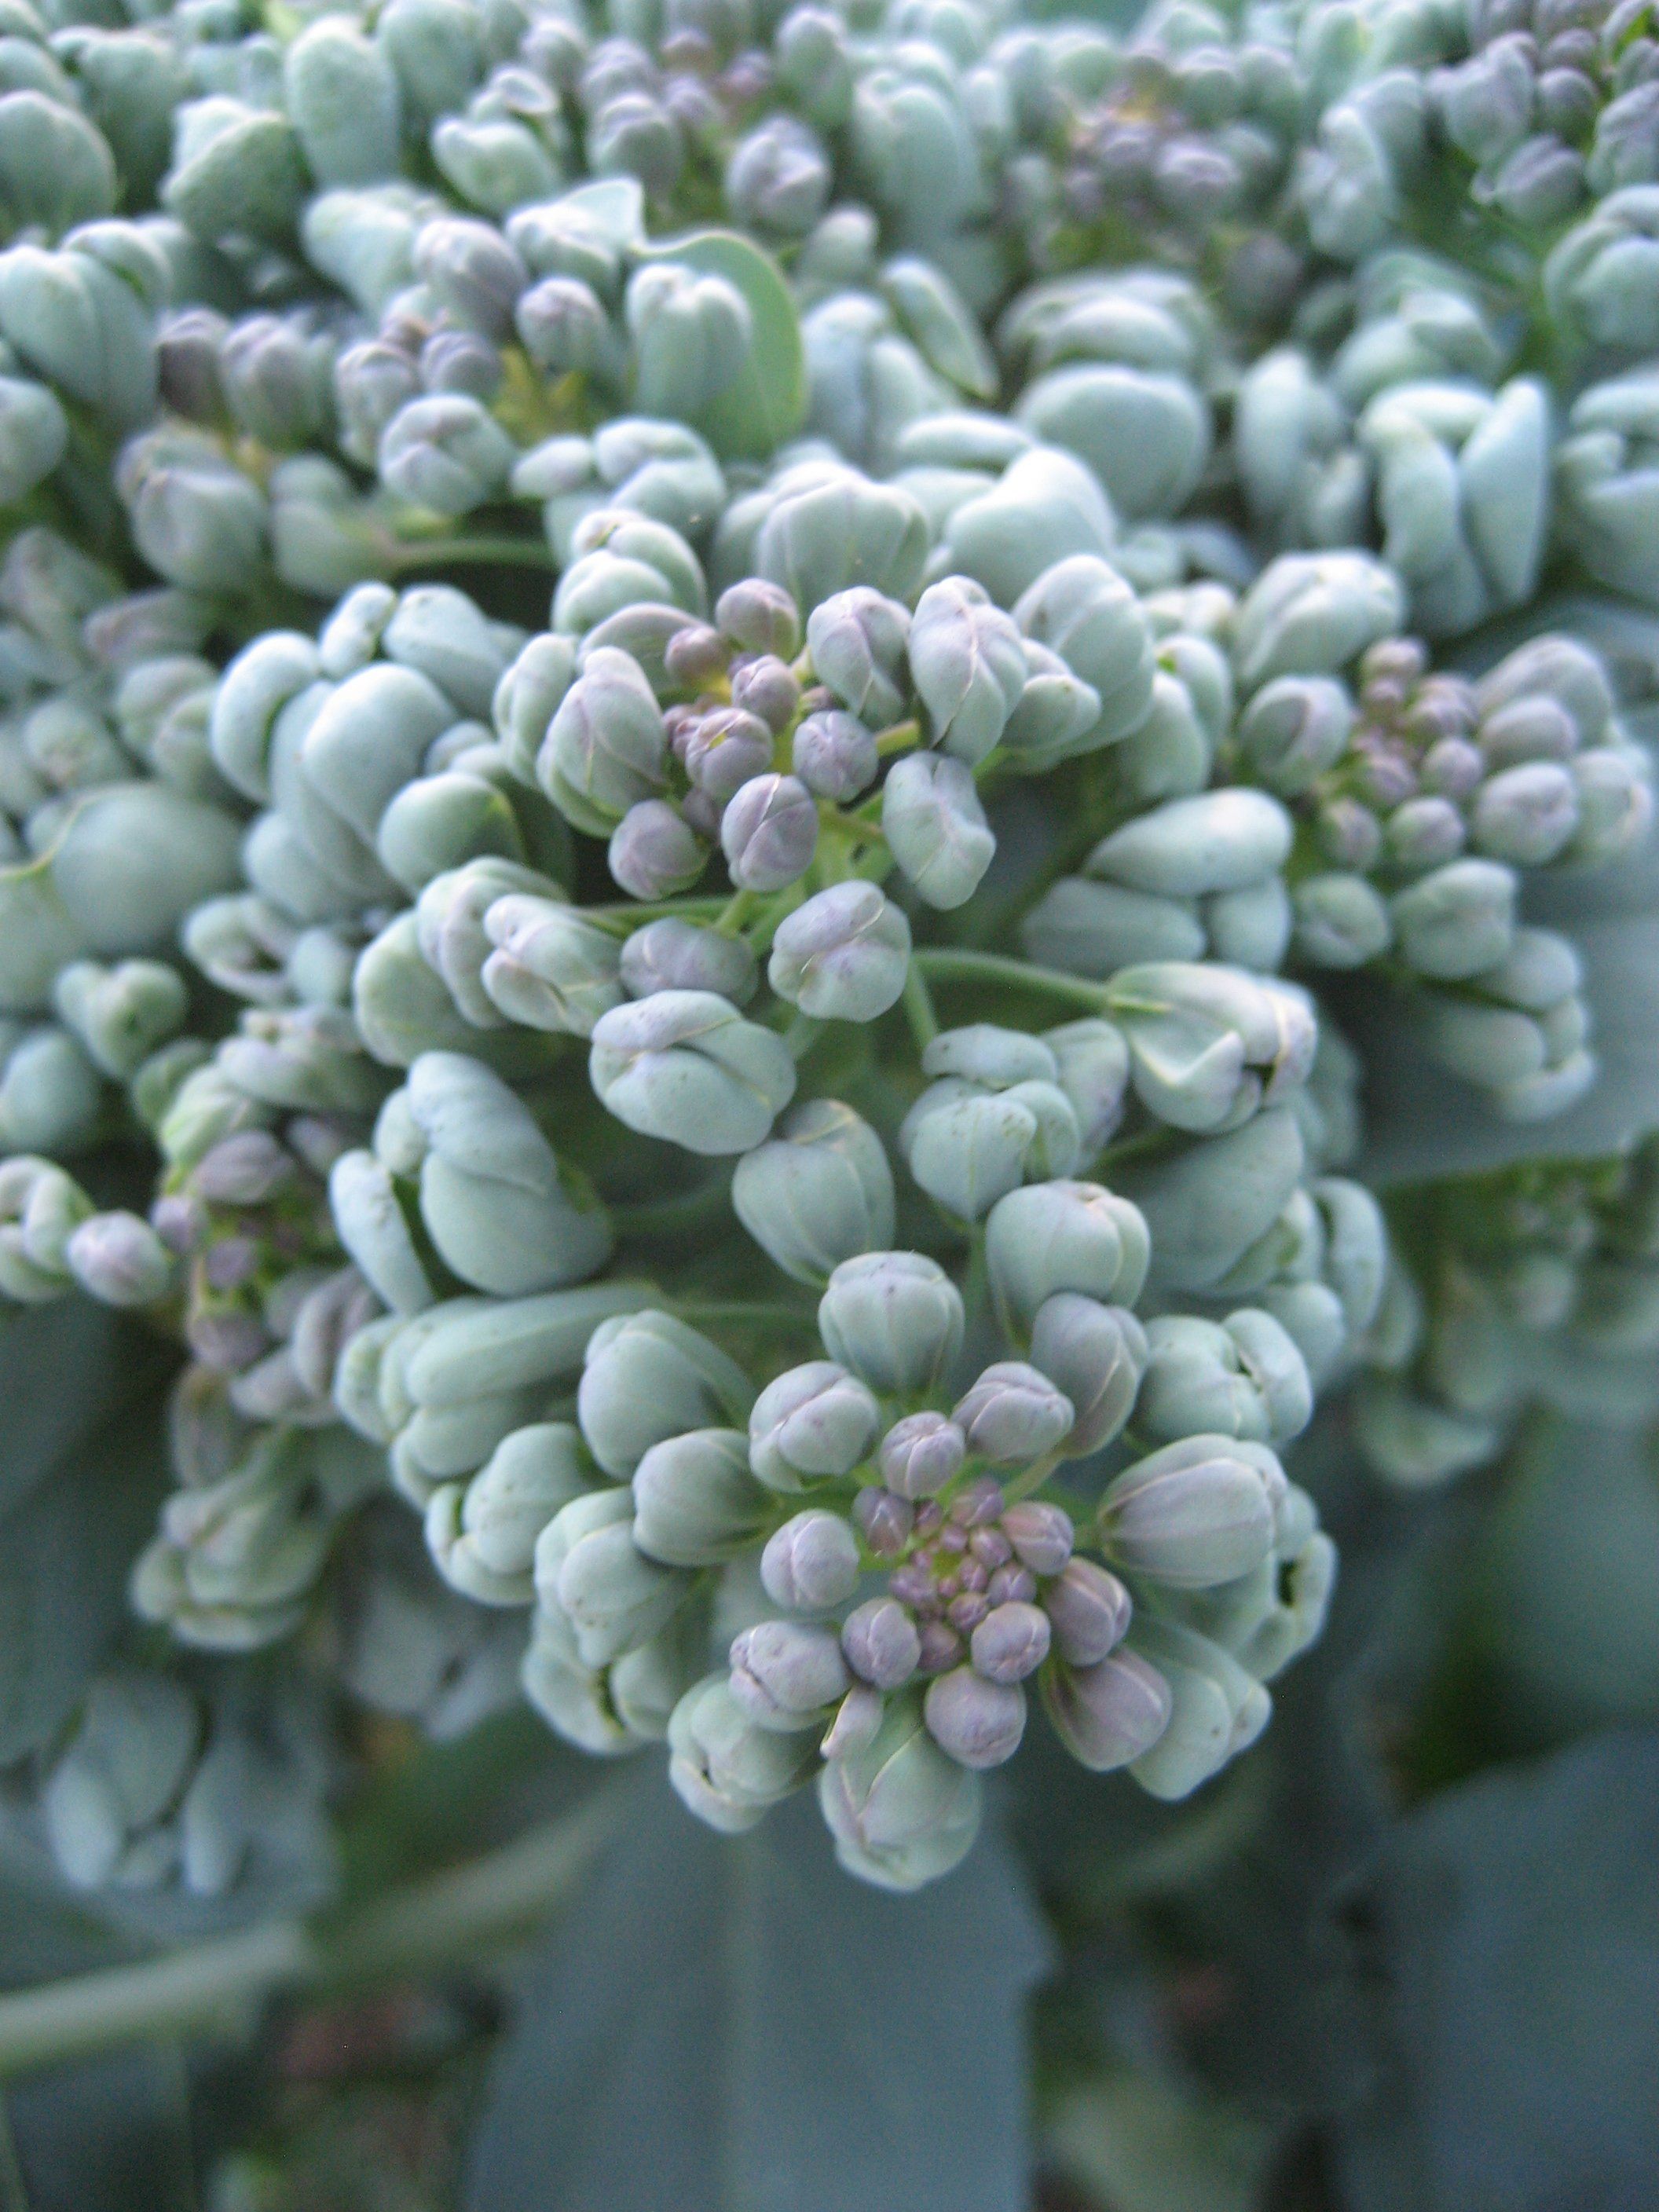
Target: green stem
x=898, y=738
x=211, y=1988
x=453, y=552
x=736, y=911
x=918, y=1002
x=769, y=1312
x=956, y=964
x=801, y=1034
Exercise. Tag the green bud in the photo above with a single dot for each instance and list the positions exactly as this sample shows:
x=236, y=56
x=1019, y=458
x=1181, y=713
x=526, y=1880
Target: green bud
x=33, y=436
x=1216, y=1710
x=1096, y=1355
x=122, y=1014
x=588, y=1567
x=237, y=170
x=40, y=1209
x=371, y=1223
x=50, y=1092
x=605, y=747
x=685, y=1066
x=894, y=1318
x=341, y=95
x=968, y=665
x=1046, y=509
x=1054, y=1237
x=857, y=640
x=935, y=828
x=968, y=1144
x=728, y=1769
x=196, y=518
x=844, y=955
x=1081, y=609
x=786, y=1674
x=1223, y=841
x=695, y=1502
x=1209, y=1045
x=1205, y=1207
x=647, y=1376
x=1243, y=1377
x=551, y=970
x=119, y=1258
x=811, y=1565
x=811, y=1421
x=1013, y=1414
x=902, y=1811
x=1199, y=1512
x=1311, y=614
x=830, y=528
x=446, y=454
x=1458, y=921
x=817, y=1193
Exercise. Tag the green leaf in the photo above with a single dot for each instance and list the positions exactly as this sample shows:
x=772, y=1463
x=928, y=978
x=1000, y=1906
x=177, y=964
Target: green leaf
x=767, y=402
x=1508, y=1938
x=81, y=1474
x=733, y=2025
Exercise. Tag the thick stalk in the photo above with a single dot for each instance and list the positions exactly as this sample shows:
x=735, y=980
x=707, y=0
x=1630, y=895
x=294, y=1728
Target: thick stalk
x=211, y=1988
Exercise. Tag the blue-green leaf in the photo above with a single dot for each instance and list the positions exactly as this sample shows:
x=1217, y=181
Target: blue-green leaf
x=733, y=2025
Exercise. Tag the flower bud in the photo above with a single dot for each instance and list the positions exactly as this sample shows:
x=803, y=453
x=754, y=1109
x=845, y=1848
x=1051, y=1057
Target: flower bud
x=726, y=1768
x=820, y=1192
x=1294, y=729
x=1219, y=841
x=1013, y=1414
x=921, y=1455
x=34, y=437
x=723, y=749
x=692, y=335
x=759, y=616
x=968, y=666
x=811, y=1564
x=1082, y=609
x=1011, y=1643
x=902, y=1811
x=685, y=1066
x=196, y=518
x=647, y=1376
x=528, y=696
x=978, y=1721
x=843, y=955
x=1062, y=1236
x=340, y=94
x=785, y=1673
x=551, y=970
x=482, y=1533
x=472, y=272
x=769, y=833
x=672, y=954
x=1096, y=1355
x=120, y=1014
x=119, y=1259
x=1090, y=1610
x=606, y=747
x=1204, y=1208
x=588, y=1565
x=936, y=828
x=1460, y=920
x=1243, y=1377
x=880, y=1643
x=857, y=640
x=1216, y=1710
x=835, y=755
x=1311, y=614
x=50, y=1093
x=1109, y=1713
x=895, y=1318
x=653, y=854
x=446, y=454
x=811, y=1421
x=1199, y=1512
x=695, y=1504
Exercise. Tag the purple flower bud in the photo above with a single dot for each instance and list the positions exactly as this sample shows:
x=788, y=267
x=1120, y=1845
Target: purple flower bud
x=226, y=1342
x=811, y=1564
x=231, y=1262
x=759, y=618
x=880, y=1643
x=695, y=655
x=1090, y=1609
x=979, y=1724
x=835, y=755
x=723, y=750
x=991, y=1548
x=1011, y=1586
x=179, y=1220
x=920, y=1454
x=977, y=1504
x=941, y=1647
x=769, y=832
x=1111, y=1713
x=766, y=687
x=1041, y=1535
x=242, y=1170
x=884, y=1521
x=967, y=1609
x=119, y=1258
x=783, y=1671
x=1011, y=1643
x=653, y=854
